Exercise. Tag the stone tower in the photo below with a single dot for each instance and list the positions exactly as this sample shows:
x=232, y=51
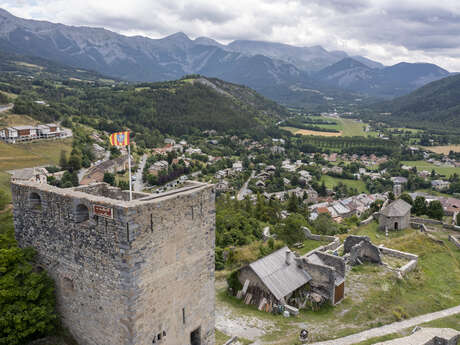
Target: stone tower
x=137, y=272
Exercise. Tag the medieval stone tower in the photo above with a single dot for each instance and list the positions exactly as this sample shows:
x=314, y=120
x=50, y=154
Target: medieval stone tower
x=137, y=272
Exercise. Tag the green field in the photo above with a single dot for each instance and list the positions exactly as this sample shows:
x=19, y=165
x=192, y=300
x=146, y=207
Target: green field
x=331, y=182
x=17, y=156
x=347, y=127
x=422, y=165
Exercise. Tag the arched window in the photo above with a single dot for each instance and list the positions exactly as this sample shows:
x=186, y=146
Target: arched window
x=81, y=213
x=35, y=202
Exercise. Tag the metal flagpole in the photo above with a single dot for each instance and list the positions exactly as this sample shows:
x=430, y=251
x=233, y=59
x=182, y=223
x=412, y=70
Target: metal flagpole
x=129, y=167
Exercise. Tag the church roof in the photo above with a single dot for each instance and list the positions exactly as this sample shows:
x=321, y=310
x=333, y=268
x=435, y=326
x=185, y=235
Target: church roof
x=398, y=208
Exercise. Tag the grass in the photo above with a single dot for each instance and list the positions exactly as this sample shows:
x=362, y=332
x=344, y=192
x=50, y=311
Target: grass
x=447, y=322
x=8, y=120
x=221, y=338
x=374, y=296
x=422, y=165
x=309, y=245
x=18, y=156
x=331, y=182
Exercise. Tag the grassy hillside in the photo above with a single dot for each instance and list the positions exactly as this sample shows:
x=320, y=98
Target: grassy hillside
x=18, y=156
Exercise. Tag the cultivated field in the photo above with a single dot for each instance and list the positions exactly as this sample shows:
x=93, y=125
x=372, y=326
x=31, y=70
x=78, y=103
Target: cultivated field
x=347, y=128
x=443, y=149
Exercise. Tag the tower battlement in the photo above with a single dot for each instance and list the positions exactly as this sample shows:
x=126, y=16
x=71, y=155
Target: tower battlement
x=137, y=272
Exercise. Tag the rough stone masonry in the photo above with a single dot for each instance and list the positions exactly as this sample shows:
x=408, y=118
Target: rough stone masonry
x=135, y=272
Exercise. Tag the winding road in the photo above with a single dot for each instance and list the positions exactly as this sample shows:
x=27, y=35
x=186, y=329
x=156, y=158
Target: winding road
x=243, y=191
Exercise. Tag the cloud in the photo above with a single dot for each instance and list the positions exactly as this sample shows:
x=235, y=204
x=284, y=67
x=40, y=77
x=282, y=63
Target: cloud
x=385, y=30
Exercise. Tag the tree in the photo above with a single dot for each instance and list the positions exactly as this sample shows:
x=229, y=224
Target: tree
x=419, y=207
x=109, y=178
x=324, y=225
x=27, y=303
x=435, y=210
x=291, y=231
x=63, y=160
x=391, y=196
x=322, y=189
x=74, y=163
x=293, y=203
x=407, y=198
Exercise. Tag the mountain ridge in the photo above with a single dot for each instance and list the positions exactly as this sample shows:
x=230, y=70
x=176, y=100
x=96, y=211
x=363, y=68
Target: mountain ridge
x=282, y=72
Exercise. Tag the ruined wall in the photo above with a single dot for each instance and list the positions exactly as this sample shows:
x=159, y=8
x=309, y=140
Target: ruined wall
x=323, y=278
x=144, y=277
x=455, y=240
x=85, y=259
x=334, y=261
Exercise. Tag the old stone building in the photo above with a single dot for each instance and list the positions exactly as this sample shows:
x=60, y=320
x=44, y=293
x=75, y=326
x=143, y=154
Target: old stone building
x=395, y=216
x=137, y=272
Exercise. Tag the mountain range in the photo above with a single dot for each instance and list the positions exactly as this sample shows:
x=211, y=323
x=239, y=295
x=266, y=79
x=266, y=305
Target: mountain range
x=292, y=75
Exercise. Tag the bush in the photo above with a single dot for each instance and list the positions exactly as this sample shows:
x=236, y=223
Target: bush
x=27, y=303
x=233, y=282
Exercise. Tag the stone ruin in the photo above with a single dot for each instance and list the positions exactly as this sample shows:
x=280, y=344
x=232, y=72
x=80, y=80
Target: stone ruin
x=361, y=250
x=137, y=272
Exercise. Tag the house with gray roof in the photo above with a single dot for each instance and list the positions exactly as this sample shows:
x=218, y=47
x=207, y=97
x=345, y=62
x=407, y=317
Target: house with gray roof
x=274, y=277
x=395, y=216
x=281, y=278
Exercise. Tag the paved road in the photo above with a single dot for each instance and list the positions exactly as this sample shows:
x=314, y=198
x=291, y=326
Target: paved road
x=6, y=107
x=243, y=191
x=391, y=328
x=138, y=185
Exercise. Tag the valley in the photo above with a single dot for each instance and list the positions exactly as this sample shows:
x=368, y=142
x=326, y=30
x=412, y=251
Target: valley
x=278, y=191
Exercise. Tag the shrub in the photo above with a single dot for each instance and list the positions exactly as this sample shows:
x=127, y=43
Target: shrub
x=27, y=303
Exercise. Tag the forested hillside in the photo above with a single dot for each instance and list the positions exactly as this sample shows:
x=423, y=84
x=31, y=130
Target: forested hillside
x=150, y=110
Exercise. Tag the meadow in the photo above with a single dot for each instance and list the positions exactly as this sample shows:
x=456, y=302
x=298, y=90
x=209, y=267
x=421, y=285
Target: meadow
x=331, y=182
x=422, y=165
x=39, y=153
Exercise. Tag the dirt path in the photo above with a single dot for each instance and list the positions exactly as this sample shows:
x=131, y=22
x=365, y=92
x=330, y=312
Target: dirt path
x=391, y=328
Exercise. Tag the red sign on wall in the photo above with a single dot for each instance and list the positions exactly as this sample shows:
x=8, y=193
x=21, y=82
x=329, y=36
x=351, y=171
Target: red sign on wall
x=106, y=212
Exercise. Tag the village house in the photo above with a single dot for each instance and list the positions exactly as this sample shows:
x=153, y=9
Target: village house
x=440, y=185
x=96, y=172
x=238, y=166
x=282, y=279
x=157, y=167
x=26, y=133
x=395, y=216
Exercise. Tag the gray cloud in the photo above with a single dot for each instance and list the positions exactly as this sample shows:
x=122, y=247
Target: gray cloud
x=385, y=30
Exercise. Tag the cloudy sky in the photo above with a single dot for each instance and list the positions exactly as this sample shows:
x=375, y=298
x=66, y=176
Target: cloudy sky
x=388, y=31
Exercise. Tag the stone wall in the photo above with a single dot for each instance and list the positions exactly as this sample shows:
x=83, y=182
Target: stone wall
x=323, y=278
x=334, y=241
x=142, y=274
x=425, y=221
x=390, y=222
x=397, y=253
x=455, y=240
